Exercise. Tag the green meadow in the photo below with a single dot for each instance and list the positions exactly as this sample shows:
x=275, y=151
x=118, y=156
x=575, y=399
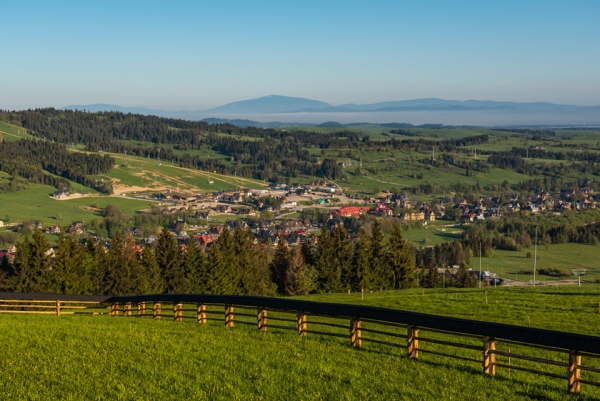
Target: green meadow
x=106, y=358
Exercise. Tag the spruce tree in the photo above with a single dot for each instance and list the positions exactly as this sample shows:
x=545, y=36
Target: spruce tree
x=362, y=276
x=193, y=267
x=21, y=273
x=39, y=266
x=245, y=271
x=170, y=262
x=70, y=273
x=379, y=276
x=279, y=265
x=323, y=259
x=341, y=261
x=222, y=269
x=400, y=261
x=153, y=281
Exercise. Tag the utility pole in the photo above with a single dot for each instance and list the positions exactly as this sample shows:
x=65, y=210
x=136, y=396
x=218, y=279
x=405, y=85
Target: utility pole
x=480, y=265
x=534, y=256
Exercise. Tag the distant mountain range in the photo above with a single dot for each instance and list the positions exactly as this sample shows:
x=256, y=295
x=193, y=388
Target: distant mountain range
x=284, y=104
x=429, y=110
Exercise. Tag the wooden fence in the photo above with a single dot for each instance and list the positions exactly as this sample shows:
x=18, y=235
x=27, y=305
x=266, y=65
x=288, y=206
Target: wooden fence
x=492, y=346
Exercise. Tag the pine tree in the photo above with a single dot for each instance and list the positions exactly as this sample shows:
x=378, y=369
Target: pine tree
x=129, y=272
x=222, y=265
x=169, y=259
x=39, y=267
x=152, y=282
x=21, y=274
x=341, y=261
x=245, y=267
x=192, y=263
x=362, y=276
x=400, y=261
x=431, y=278
x=279, y=265
x=464, y=279
x=323, y=258
x=70, y=272
x=378, y=269
x=99, y=267
x=111, y=265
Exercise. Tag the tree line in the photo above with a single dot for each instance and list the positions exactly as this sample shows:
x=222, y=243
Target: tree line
x=233, y=265
x=30, y=158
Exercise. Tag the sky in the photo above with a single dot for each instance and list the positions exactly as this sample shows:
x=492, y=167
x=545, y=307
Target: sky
x=193, y=55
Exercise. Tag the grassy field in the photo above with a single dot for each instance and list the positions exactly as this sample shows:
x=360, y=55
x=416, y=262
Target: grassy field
x=564, y=256
x=98, y=357
x=35, y=203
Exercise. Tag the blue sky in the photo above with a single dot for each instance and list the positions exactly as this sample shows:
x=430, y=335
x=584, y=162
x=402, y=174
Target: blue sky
x=195, y=55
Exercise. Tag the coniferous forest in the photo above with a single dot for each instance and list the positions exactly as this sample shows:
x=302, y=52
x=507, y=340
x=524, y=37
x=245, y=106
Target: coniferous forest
x=233, y=265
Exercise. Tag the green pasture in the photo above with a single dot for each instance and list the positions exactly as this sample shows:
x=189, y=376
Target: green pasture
x=106, y=358
x=35, y=203
x=563, y=256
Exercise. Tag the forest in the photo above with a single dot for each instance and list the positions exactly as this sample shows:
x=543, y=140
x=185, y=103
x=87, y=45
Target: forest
x=28, y=159
x=233, y=265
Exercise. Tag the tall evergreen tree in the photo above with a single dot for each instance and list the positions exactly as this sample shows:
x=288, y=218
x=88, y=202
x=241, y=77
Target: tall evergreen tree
x=170, y=262
x=21, y=272
x=400, y=261
x=193, y=266
x=70, y=271
x=362, y=276
x=431, y=278
x=222, y=269
x=245, y=260
x=379, y=276
x=341, y=261
x=153, y=281
x=279, y=265
x=323, y=257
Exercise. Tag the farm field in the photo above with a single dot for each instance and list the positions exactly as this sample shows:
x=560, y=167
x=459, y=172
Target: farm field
x=99, y=357
x=35, y=203
x=563, y=256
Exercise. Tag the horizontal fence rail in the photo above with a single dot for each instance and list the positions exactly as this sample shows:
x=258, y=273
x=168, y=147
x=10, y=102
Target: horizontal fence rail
x=52, y=304
x=490, y=345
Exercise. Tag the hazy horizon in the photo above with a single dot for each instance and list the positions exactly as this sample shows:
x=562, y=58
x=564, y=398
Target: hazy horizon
x=195, y=56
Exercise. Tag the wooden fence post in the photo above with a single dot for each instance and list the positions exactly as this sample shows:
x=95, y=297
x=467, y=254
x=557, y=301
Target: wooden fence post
x=177, y=311
x=262, y=319
x=574, y=371
x=57, y=307
x=141, y=308
x=157, y=311
x=302, y=324
x=355, y=332
x=201, y=313
x=489, y=357
x=127, y=309
x=412, y=341
x=229, y=316
x=114, y=309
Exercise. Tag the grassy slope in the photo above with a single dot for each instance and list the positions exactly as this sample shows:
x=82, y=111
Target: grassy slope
x=565, y=256
x=35, y=203
x=77, y=357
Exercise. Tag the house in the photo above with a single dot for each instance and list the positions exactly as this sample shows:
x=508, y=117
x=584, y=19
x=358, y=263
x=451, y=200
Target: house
x=181, y=197
x=54, y=230
x=1, y=223
x=205, y=215
x=151, y=239
x=223, y=209
x=383, y=210
x=60, y=194
x=76, y=228
x=415, y=216
x=350, y=211
x=203, y=239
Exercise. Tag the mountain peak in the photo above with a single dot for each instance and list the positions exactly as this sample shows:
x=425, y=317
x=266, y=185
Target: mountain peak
x=271, y=104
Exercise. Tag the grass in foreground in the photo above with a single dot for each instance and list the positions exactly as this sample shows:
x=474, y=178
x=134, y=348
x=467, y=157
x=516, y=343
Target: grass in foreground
x=99, y=357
